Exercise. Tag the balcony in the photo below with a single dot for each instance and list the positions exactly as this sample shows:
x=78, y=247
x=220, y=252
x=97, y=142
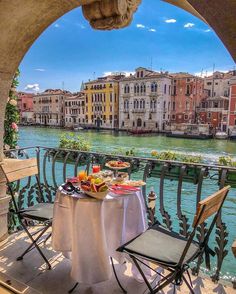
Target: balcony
x=138, y=110
x=167, y=178
x=153, y=110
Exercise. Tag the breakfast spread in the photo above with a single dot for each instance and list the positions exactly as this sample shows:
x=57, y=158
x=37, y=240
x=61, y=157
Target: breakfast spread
x=99, y=183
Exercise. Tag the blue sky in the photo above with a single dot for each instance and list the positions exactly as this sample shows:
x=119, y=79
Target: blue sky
x=160, y=35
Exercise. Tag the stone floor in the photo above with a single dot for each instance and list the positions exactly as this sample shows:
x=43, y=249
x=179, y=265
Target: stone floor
x=37, y=279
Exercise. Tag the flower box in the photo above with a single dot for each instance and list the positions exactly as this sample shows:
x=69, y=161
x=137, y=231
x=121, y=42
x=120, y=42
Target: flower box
x=191, y=173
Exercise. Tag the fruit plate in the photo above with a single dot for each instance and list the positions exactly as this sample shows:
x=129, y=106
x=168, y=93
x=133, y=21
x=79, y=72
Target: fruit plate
x=97, y=195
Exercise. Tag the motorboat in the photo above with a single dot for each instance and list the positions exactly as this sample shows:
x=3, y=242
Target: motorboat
x=221, y=135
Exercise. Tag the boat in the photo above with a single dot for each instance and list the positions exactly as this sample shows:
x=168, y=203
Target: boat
x=232, y=134
x=139, y=131
x=221, y=135
x=190, y=131
x=77, y=128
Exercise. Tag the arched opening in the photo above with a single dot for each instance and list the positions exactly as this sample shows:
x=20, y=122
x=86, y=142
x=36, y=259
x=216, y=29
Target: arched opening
x=139, y=122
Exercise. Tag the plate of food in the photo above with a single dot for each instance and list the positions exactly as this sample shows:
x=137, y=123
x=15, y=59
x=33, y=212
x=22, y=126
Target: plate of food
x=131, y=183
x=96, y=188
x=117, y=164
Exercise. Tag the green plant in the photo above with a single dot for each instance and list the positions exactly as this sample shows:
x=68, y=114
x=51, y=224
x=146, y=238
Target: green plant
x=170, y=155
x=227, y=161
x=124, y=151
x=11, y=116
x=191, y=158
x=75, y=142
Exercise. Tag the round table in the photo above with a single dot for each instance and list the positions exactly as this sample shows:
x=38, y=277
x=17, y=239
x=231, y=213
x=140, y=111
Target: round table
x=89, y=231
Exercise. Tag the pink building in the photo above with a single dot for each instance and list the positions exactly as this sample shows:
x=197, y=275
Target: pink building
x=25, y=106
x=232, y=108
x=187, y=93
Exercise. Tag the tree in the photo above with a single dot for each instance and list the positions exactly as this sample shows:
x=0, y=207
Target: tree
x=11, y=116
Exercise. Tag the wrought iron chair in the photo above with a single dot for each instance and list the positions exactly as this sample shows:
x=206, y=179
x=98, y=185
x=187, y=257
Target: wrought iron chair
x=17, y=169
x=170, y=250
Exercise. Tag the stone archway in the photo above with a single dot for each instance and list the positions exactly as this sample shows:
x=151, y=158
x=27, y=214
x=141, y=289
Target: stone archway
x=22, y=22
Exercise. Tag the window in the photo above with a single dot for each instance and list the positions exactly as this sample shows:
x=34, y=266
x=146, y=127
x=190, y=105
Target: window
x=110, y=97
x=154, y=87
x=126, y=89
x=173, y=106
x=136, y=88
x=208, y=83
x=188, y=90
x=185, y=117
x=173, y=116
x=165, y=89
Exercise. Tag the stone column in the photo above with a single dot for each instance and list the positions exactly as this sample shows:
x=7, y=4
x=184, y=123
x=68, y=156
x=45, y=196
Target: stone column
x=5, y=84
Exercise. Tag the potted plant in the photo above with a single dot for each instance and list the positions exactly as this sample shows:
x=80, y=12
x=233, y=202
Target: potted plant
x=231, y=174
x=191, y=173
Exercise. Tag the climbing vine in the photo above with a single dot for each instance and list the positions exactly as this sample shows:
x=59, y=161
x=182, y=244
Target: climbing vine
x=11, y=116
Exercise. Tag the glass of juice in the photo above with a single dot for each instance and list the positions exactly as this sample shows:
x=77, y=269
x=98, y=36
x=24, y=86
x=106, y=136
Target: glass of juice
x=82, y=175
x=96, y=168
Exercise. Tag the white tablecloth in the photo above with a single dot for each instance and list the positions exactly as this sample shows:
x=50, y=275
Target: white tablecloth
x=89, y=231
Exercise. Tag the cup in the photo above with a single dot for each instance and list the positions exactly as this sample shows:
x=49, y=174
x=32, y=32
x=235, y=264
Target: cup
x=82, y=175
x=96, y=168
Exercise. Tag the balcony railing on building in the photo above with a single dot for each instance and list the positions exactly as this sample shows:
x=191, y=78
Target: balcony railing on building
x=179, y=186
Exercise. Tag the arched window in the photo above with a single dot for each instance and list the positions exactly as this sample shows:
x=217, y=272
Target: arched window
x=142, y=104
x=139, y=122
x=143, y=88
x=154, y=87
x=126, y=89
x=136, y=88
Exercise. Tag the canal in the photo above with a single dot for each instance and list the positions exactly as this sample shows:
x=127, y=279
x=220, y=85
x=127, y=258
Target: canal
x=109, y=142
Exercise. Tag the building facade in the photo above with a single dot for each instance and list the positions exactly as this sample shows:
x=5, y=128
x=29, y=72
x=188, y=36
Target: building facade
x=187, y=93
x=215, y=108
x=144, y=103
x=102, y=102
x=232, y=106
x=49, y=107
x=25, y=106
x=75, y=110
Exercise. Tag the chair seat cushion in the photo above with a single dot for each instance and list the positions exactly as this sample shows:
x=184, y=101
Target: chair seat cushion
x=161, y=245
x=40, y=211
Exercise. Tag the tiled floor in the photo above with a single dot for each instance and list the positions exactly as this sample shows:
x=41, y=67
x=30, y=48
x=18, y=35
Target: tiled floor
x=32, y=272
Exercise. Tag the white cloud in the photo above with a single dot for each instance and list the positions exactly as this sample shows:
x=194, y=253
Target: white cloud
x=56, y=25
x=171, y=20
x=207, y=31
x=140, y=26
x=189, y=25
x=152, y=30
x=39, y=69
x=32, y=87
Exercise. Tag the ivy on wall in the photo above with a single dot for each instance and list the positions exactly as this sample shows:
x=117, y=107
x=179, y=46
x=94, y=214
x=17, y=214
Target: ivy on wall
x=11, y=116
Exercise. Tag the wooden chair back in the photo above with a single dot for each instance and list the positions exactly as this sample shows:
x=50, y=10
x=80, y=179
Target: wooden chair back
x=210, y=206
x=17, y=169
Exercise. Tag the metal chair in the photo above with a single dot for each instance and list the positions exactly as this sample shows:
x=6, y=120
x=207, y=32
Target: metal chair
x=170, y=250
x=17, y=169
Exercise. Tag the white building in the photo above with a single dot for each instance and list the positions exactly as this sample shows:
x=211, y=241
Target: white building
x=75, y=110
x=144, y=101
x=218, y=84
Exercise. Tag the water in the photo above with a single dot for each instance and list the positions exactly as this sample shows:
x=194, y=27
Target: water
x=108, y=141
x=210, y=150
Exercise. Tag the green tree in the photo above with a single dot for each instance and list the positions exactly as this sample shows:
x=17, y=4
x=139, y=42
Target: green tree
x=12, y=116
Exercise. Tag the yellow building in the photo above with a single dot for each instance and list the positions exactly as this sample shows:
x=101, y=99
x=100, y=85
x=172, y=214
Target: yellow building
x=102, y=102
